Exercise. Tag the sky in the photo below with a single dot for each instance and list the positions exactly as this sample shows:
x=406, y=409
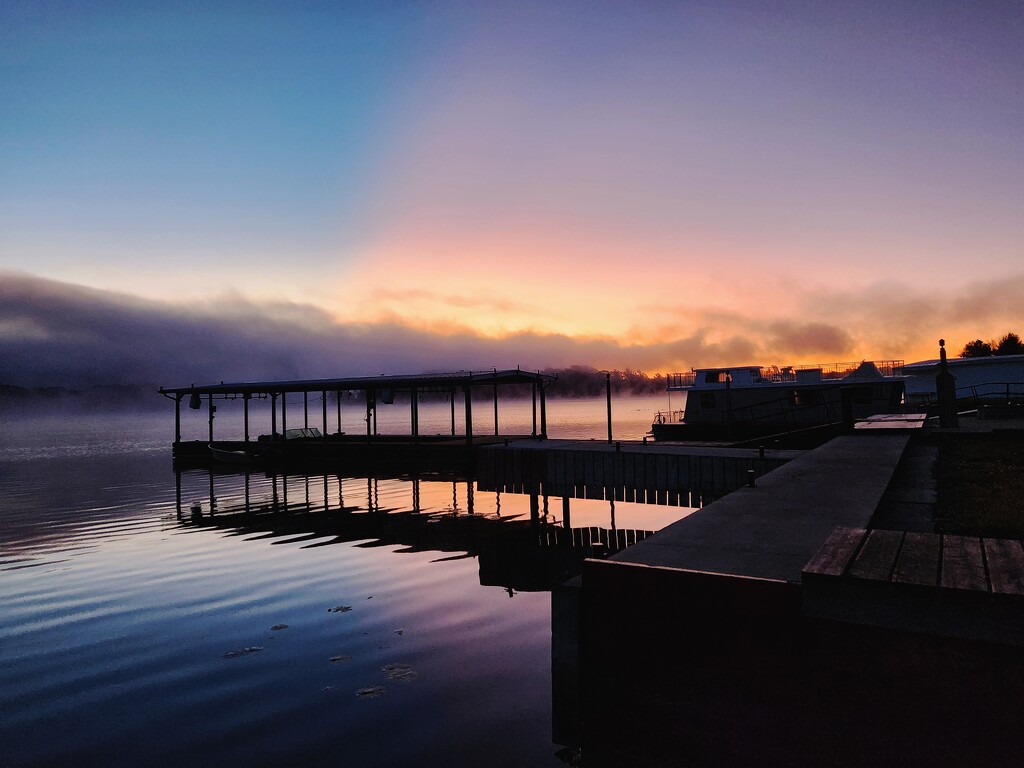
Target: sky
x=221, y=190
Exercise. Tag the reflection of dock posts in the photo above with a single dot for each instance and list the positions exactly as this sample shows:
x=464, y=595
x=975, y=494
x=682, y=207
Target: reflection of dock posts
x=213, y=498
x=566, y=522
x=534, y=510
x=469, y=497
x=177, y=490
x=247, y=490
x=416, y=495
x=945, y=388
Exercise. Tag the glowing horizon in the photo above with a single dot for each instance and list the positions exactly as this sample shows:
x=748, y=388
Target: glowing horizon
x=673, y=185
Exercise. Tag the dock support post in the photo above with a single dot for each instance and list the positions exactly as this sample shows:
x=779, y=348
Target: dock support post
x=566, y=523
x=305, y=410
x=451, y=396
x=534, y=432
x=415, y=411
x=210, y=409
x=273, y=414
x=284, y=412
x=245, y=414
x=543, y=415
x=338, y=393
x=324, y=409
x=469, y=413
x=495, y=402
x=177, y=418
x=608, y=392
x=368, y=395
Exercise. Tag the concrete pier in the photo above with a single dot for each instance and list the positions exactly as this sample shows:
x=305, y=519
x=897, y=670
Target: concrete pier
x=701, y=645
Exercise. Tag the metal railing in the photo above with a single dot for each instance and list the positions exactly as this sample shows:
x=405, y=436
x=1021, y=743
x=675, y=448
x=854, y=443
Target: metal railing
x=788, y=374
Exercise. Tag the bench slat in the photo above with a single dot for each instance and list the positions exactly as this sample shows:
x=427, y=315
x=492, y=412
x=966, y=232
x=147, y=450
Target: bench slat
x=918, y=562
x=837, y=552
x=878, y=556
x=962, y=564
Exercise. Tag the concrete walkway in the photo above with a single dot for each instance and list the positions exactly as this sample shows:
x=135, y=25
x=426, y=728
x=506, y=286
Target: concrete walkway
x=771, y=531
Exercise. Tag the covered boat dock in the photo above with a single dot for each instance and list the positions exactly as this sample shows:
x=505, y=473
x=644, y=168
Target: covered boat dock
x=309, y=439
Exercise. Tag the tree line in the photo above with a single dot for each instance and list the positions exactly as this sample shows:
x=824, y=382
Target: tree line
x=1010, y=344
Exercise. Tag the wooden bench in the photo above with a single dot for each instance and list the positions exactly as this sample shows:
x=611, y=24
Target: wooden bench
x=960, y=586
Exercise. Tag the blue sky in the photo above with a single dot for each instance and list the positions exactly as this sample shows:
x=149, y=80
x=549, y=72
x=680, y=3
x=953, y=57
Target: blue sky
x=708, y=170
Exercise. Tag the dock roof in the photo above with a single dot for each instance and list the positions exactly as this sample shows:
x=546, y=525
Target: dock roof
x=425, y=381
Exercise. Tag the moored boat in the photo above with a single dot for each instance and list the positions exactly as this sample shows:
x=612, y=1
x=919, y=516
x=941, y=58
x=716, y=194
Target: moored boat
x=740, y=402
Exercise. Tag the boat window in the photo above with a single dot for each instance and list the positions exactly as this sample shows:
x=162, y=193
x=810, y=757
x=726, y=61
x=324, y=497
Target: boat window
x=803, y=397
x=715, y=377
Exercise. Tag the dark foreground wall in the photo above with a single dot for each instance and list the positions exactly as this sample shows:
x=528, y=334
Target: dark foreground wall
x=687, y=668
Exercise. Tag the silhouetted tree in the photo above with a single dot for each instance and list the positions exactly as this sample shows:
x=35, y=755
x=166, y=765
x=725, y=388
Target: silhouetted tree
x=1010, y=344
x=976, y=348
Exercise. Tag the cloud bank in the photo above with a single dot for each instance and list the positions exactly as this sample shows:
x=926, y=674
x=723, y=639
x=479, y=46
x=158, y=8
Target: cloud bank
x=60, y=334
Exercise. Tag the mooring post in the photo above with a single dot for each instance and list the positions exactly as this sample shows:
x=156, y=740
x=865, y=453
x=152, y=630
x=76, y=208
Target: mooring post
x=273, y=415
x=305, y=409
x=284, y=413
x=245, y=414
x=469, y=413
x=945, y=387
x=177, y=418
x=211, y=409
x=324, y=404
x=338, y=394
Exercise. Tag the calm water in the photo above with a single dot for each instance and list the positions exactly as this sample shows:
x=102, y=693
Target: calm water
x=133, y=601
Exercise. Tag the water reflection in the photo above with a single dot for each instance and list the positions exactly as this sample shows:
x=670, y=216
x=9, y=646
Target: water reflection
x=519, y=542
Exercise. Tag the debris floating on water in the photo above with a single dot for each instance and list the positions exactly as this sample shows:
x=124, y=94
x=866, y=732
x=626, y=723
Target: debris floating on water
x=277, y=627
x=340, y=659
x=340, y=609
x=400, y=672
x=242, y=651
x=399, y=631
x=372, y=692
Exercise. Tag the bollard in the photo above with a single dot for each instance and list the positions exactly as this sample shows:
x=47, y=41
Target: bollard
x=751, y=483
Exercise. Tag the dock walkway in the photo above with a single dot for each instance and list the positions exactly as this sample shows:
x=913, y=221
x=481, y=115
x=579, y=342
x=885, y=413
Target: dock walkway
x=772, y=530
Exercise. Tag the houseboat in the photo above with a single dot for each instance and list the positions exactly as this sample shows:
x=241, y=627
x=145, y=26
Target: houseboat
x=744, y=402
